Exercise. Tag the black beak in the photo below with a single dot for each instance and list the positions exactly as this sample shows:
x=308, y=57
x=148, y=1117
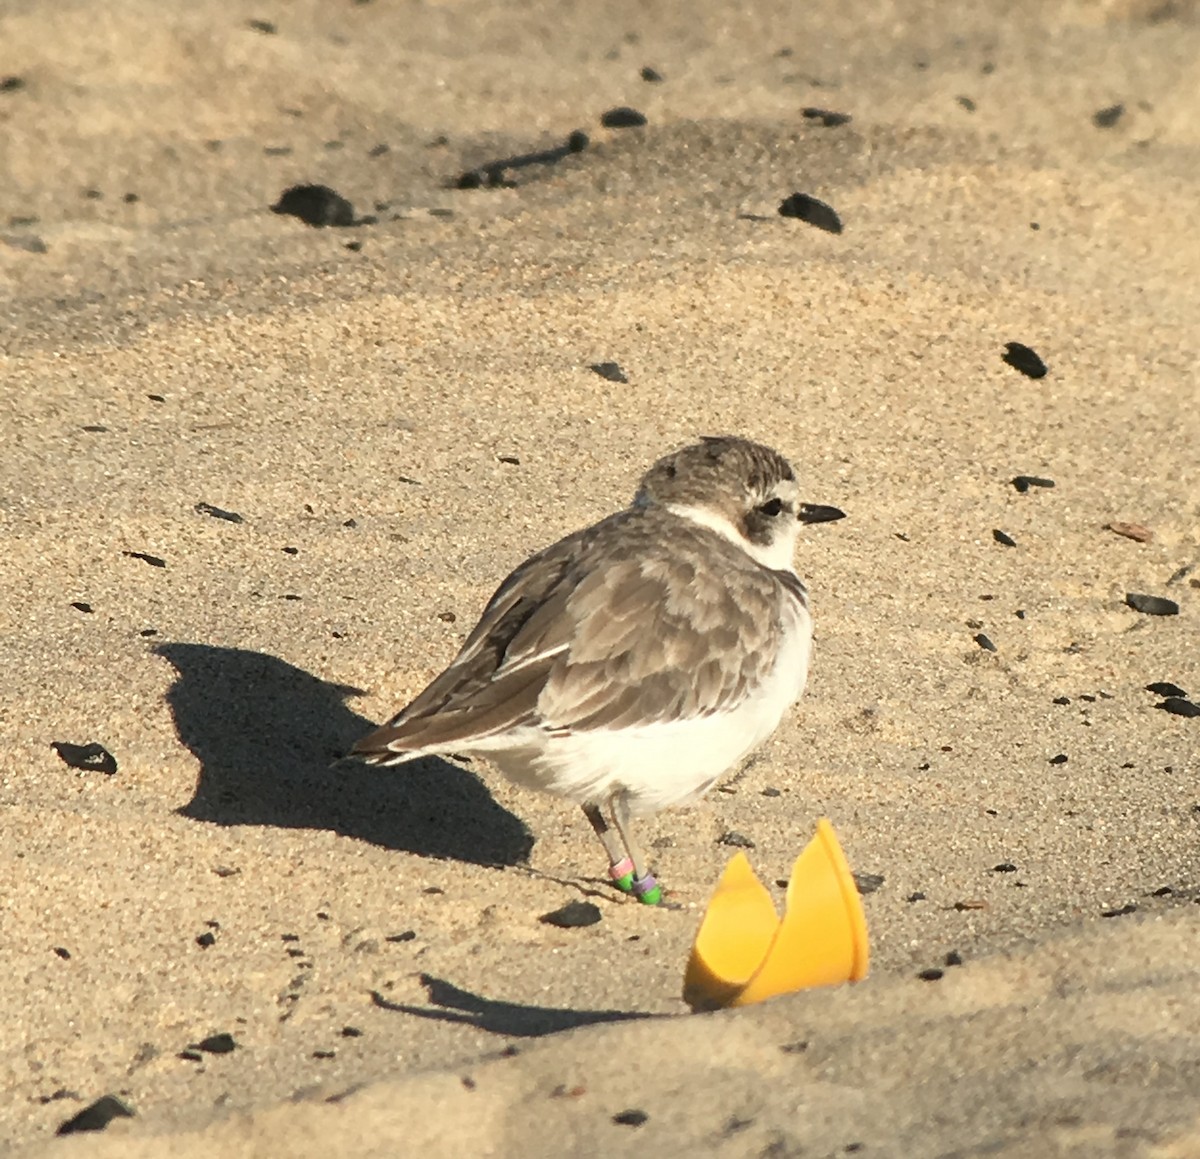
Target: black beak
x=819, y=513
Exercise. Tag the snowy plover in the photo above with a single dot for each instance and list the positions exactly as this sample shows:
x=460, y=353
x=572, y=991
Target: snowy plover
x=631, y=664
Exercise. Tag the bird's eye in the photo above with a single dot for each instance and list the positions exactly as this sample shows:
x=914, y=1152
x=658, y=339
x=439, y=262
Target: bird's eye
x=772, y=507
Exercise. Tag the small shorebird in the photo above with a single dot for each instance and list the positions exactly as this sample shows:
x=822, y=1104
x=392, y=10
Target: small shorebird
x=631, y=664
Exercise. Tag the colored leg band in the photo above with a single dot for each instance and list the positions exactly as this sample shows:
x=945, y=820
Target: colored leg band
x=622, y=875
x=647, y=890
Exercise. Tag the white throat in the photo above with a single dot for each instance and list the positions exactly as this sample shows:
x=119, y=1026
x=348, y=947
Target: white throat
x=778, y=556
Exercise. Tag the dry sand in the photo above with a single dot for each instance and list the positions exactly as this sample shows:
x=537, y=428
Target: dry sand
x=375, y=950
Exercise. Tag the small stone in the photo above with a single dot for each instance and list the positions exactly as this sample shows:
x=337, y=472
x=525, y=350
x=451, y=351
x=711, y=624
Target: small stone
x=610, y=371
x=827, y=118
x=218, y=513
x=1061, y=700
x=577, y=141
x=812, y=211
x=29, y=242
x=11, y=84
x=1177, y=706
x=290, y=550
x=97, y=1116
x=191, y=1056
x=868, y=882
x=1004, y=867
x=984, y=642
x=206, y=939
x=771, y=792
x=216, y=1044
x=954, y=958
x=316, y=205
x=1107, y=117
x=651, y=75
x=1023, y=482
x=1135, y=531
x=932, y=974
x=573, y=915
x=263, y=26
x=1025, y=359
x=1152, y=605
x=915, y=896
x=622, y=117
x=1166, y=688
x=1061, y=759
x=631, y=1118
x=63, y=953
x=511, y=460
x=447, y=617
x=92, y=758
x=351, y=1032
x=324, y=1054
x=80, y=606
x=145, y=557
x=405, y=936
x=1004, y=538
x=735, y=840
x=966, y=103
x=1120, y=911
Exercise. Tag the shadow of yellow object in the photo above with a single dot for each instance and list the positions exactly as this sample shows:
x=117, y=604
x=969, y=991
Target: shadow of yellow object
x=743, y=953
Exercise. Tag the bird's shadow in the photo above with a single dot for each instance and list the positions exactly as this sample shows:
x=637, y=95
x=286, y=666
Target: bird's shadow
x=266, y=732
x=511, y=1019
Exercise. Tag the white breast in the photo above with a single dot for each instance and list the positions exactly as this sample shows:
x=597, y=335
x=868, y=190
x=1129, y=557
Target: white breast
x=665, y=763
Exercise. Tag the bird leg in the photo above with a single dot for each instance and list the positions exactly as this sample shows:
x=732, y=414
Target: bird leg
x=643, y=885
x=620, y=867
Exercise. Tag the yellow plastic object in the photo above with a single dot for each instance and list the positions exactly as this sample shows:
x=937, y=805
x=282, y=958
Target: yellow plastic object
x=743, y=953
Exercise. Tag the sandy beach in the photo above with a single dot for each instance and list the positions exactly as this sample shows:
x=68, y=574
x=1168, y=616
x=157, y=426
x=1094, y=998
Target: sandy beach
x=259, y=478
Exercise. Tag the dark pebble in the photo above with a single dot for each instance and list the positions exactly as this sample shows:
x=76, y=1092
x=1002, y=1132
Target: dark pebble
x=771, y=792
x=736, y=840
x=324, y=1054
x=915, y=897
x=1004, y=538
x=290, y=550
x=92, y=758
x=622, y=117
x=1120, y=911
x=216, y=1044
x=1107, y=117
x=148, y=632
x=1061, y=759
x=1177, y=706
x=652, y=75
x=80, y=606
x=11, y=84
x=819, y=513
x=1159, y=687
x=809, y=209
x=1025, y=359
x=63, y=953
x=868, y=882
x=263, y=26
x=152, y=560
x=353, y=246
x=1162, y=891
x=827, y=118
x=954, y=958
x=932, y=974
x=351, y=1032
x=97, y=1116
x=1062, y=700
x=573, y=915
x=1023, y=482
x=378, y=150
x=1004, y=867
x=447, y=617
x=1152, y=605
x=984, y=642
x=191, y=1056
x=577, y=141
x=206, y=939
x=406, y=936
x=218, y=513
x=96, y=429
x=631, y=1118
x=511, y=460
x=966, y=103
x=29, y=242
x=316, y=205
x=156, y=398
x=610, y=371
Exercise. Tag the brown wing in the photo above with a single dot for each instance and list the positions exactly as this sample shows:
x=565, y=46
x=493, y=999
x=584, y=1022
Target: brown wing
x=611, y=626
